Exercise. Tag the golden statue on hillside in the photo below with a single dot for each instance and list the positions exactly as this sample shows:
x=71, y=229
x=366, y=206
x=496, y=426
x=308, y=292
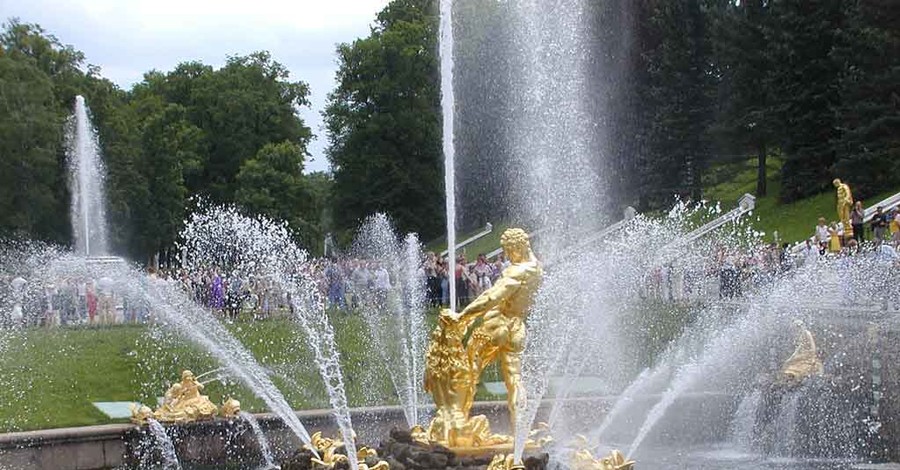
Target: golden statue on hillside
x=453, y=368
x=844, y=206
x=804, y=362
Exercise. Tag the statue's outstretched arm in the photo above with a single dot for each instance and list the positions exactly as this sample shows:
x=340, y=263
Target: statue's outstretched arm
x=503, y=288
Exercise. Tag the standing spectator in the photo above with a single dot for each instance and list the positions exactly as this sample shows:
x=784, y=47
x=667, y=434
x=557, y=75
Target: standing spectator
x=822, y=235
x=105, y=303
x=433, y=281
x=359, y=279
x=91, y=301
x=857, y=215
x=462, y=290
x=445, y=282
x=879, y=224
x=335, y=280
x=81, y=307
x=834, y=240
x=217, y=291
x=498, y=267
x=382, y=284
x=894, y=227
x=483, y=272
x=235, y=296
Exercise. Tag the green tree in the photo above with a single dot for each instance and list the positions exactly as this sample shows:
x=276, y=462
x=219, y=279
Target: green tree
x=804, y=81
x=170, y=147
x=678, y=106
x=747, y=120
x=869, y=113
x=30, y=173
x=383, y=122
x=61, y=63
x=240, y=107
x=272, y=183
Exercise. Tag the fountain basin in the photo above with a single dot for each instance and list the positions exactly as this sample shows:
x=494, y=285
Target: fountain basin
x=224, y=442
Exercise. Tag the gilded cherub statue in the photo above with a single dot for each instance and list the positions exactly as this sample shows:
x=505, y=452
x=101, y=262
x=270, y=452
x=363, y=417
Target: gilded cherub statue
x=453, y=368
x=327, y=448
x=585, y=460
x=183, y=402
x=230, y=408
x=804, y=362
x=844, y=205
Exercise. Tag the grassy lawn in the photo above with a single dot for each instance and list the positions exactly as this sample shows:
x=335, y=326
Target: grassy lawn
x=51, y=377
x=793, y=222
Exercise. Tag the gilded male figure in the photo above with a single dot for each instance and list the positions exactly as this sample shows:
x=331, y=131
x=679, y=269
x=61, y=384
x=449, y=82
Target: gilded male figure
x=844, y=206
x=502, y=308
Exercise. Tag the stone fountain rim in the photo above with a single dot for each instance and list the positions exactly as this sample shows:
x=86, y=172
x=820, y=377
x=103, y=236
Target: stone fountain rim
x=100, y=432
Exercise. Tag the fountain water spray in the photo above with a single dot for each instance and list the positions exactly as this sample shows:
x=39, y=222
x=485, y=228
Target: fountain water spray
x=172, y=308
x=86, y=183
x=395, y=318
x=261, y=438
x=223, y=237
x=445, y=39
x=164, y=444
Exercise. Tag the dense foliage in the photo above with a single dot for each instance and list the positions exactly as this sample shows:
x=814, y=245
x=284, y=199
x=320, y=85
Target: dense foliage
x=383, y=122
x=227, y=135
x=814, y=82
x=677, y=87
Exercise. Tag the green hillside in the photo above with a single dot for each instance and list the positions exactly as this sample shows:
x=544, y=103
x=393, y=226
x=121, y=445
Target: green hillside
x=794, y=221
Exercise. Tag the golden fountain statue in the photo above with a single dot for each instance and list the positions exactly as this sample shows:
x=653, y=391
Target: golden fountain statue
x=181, y=403
x=844, y=205
x=453, y=365
x=585, y=460
x=453, y=368
x=582, y=457
x=230, y=408
x=804, y=362
x=328, y=457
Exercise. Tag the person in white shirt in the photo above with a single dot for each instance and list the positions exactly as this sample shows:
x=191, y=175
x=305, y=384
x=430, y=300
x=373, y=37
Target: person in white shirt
x=18, y=294
x=382, y=283
x=382, y=279
x=822, y=235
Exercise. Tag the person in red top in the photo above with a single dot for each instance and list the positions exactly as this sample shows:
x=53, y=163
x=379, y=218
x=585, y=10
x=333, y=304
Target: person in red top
x=91, y=302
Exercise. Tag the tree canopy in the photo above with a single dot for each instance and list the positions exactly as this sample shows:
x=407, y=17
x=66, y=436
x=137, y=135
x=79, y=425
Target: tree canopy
x=383, y=122
x=678, y=87
x=188, y=133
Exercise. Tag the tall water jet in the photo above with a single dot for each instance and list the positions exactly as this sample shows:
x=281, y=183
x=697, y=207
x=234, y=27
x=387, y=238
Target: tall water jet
x=447, y=109
x=396, y=317
x=560, y=190
x=86, y=183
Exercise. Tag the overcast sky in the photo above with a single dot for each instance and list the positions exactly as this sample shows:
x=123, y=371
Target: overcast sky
x=129, y=37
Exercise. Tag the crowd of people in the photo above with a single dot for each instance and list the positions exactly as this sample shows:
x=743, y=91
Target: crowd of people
x=344, y=282
x=77, y=300
x=470, y=278
x=346, y=279
x=883, y=228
